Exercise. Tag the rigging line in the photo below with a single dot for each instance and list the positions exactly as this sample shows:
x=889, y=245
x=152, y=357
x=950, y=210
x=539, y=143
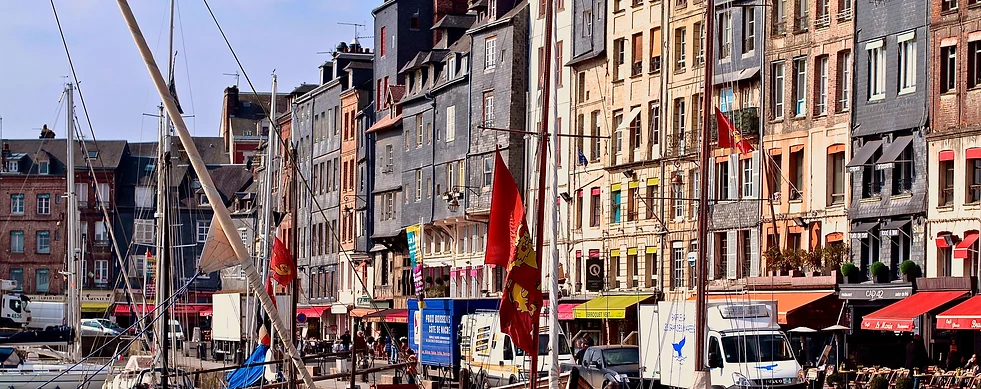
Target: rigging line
x=187, y=67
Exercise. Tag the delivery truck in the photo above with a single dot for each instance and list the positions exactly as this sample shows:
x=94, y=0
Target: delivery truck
x=434, y=332
x=745, y=347
x=491, y=357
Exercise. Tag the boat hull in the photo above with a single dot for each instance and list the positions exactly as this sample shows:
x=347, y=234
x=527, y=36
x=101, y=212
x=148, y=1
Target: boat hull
x=34, y=377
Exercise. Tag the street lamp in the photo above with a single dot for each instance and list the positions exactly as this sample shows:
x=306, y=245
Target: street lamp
x=455, y=194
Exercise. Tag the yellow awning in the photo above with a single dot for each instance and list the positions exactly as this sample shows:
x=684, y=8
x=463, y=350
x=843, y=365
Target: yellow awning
x=608, y=307
x=95, y=307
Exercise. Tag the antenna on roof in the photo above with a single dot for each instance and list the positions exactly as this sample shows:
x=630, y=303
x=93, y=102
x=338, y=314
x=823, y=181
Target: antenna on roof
x=236, y=75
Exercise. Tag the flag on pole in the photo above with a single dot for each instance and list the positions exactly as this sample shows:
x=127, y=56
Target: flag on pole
x=729, y=136
x=282, y=264
x=509, y=242
x=581, y=159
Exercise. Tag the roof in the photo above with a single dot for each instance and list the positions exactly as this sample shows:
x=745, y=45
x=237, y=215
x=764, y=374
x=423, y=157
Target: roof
x=585, y=57
x=455, y=21
x=460, y=46
x=303, y=88
x=359, y=65
x=436, y=55
x=397, y=92
x=416, y=61
x=109, y=152
x=230, y=179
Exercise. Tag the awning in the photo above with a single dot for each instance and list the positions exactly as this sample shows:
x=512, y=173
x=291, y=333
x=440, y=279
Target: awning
x=95, y=307
x=861, y=230
x=384, y=124
x=963, y=316
x=566, y=310
x=123, y=309
x=736, y=76
x=964, y=247
x=338, y=309
x=899, y=316
x=894, y=150
x=625, y=124
x=388, y=316
x=378, y=247
x=608, y=307
x=894, y=227
x=864, y=153
x=362, y=312
x=313, y=311
x=207, y=311
x=787, y=302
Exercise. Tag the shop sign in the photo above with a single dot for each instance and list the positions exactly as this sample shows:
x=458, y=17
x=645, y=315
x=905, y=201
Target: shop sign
x=47, y=298
x=363, y=300
x=874, y=293
x=594, y=274
x=91, y=296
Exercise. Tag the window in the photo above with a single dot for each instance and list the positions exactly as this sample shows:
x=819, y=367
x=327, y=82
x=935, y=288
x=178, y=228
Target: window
x=844, y=79
x=678, y=264
x=587, y=21
x=42, y=278
x=777, y=91
x=679, y=118
x=802, y=20
x=103, y=193
x=637, y=57
x=745, y=253
x=579, y=209
x=823, y=18
x=44, y=204
x=595, y=124
x=635, y=135
x=845, y=7
x=872, y=179
x=749, y=30
x=490, y=53
x=43, y=242
x=796, y=174
x=948, y=68
x=17, y=204
x=722, y=180
x=143, y=231
x=946, y=197
x=633, y=203
x=679, y=49
x=82, y=193
x=101, y=271
x=203, y=227
x=973, y=64
x=836, y=169
x=488, y=109
x=488, y=171
x=44, y=167
x=101, y=233
x=725, y=35
x=144, y=196
x=746, y=167
x=800, y=86
x=907, y=62
x=381, y=51
x=619, y=54
x=595, y=207
x=973, y=180
x=655, y=65
x=203, y=199
x=948, y=5
x=902, y=173
x=418, y=185
x=17, y=275
x=615, y=202
x=877, y=70
x=721, y=254
x=17, y=241
x=13, y=166
x=727, y=100
x=419, y=130
x=649, y=201
x=654, y=121
x=616, y=142
x=822, y=86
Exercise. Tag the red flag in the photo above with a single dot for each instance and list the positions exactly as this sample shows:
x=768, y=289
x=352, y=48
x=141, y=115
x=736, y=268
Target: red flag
x=282, y=265
x=270, y=291
x=507, y=213
x=729, y=136
x=508, y=242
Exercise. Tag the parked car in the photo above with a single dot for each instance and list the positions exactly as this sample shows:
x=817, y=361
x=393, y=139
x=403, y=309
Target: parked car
x=176, y=334
x=601, y=365
x=46, y=314
x=100, y=327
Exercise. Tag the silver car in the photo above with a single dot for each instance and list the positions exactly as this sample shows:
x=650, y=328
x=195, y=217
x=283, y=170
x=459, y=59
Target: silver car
x=100, y=327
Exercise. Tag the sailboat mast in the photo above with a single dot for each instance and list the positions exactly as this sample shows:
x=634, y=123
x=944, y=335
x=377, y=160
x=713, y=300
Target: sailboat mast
x=267, y=197
x=701, y=268
x=74, y=266
x=553, y=288
x=222, y=215
x=163, y=191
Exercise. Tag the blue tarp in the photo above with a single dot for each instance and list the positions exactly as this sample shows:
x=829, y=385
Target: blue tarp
x=244, y=377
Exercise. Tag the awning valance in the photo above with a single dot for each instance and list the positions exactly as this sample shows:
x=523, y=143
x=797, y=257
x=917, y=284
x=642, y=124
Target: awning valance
x=787, y=302
x=963, y=316
x=388, y=316
x=964, y=247
x=95, y=307
x=608, y=307
x=899, y=316
x=864, y=153
x=314, y=311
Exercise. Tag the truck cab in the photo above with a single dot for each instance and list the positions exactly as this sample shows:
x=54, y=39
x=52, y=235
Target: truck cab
x=15, y=312
x=491, y=356
x=751, y=359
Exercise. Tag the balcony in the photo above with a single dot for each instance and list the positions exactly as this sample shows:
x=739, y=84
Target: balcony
x=822, y=21
x=679, y=145
x=746, y=120
x=845, y=14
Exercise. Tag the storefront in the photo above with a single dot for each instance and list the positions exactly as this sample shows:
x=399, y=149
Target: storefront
x=617, y=315
x=310, y=318
x=866, y=347
x=814, y=309
x=392, y=322
x=567, y=318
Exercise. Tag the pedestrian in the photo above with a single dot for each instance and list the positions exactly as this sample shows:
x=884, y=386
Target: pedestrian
x=346, y=340
x=411, y=371
x=588, y=340
x=581, y=352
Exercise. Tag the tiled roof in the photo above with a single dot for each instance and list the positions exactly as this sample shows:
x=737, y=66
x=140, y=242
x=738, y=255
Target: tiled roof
x=107, y=153
x=397, y=92
x=455, y=21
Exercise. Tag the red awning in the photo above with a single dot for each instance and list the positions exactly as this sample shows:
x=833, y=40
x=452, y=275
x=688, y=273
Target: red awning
x=566, y=310
x=207, y=311
x=314, y=311
x=385, y=123
x=123, y=309
x=388, y=316
x=942, y=243
x=362, y=312
x=963, y=316
x=179, y=309
x=963, y=249
x=787, y=302
x=899, y=316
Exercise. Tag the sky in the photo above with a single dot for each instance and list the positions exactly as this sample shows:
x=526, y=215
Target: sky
x=267, y=35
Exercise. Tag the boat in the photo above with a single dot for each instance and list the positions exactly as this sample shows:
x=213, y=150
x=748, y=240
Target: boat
x=26, y=370
x=141, y=372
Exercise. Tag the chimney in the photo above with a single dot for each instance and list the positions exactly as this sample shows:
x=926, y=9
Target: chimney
x=231, y=100
x=326, y=72
x=46, y=133
x=441, y=8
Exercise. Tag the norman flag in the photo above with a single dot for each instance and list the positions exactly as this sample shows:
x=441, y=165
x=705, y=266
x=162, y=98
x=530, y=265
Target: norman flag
x=509, y=243
x=282, y=265
x=729, y=136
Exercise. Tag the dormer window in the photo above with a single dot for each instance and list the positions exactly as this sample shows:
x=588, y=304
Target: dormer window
x=44, y=167
x=203, y=199
x=13, y=166
x=492, y=9
x=422, y=81
x=93, y=154
x=451, y=66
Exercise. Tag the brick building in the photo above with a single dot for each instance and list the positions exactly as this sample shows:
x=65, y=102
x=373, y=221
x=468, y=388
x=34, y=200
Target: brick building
x=243, y=121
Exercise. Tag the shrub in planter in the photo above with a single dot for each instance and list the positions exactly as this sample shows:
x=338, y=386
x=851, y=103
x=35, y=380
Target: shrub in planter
x=910, y=268
x=774, y=259
x=835, y=380
x=879, y=271
x=904, y=383
x=880, y=382
x=849, y=271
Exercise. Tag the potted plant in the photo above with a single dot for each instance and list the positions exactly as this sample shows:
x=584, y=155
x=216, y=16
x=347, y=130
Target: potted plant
x=794, y=261
x=910, y=270
x=774, y=260
x=812, y=261
x=834, y=255
x=879, y=272
x=879, y=382
x=904, y=383
x=848, y=272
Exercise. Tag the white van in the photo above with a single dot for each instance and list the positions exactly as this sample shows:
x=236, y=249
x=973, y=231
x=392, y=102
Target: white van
x=745, y=346
x=46, y=314
x=491, y=357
